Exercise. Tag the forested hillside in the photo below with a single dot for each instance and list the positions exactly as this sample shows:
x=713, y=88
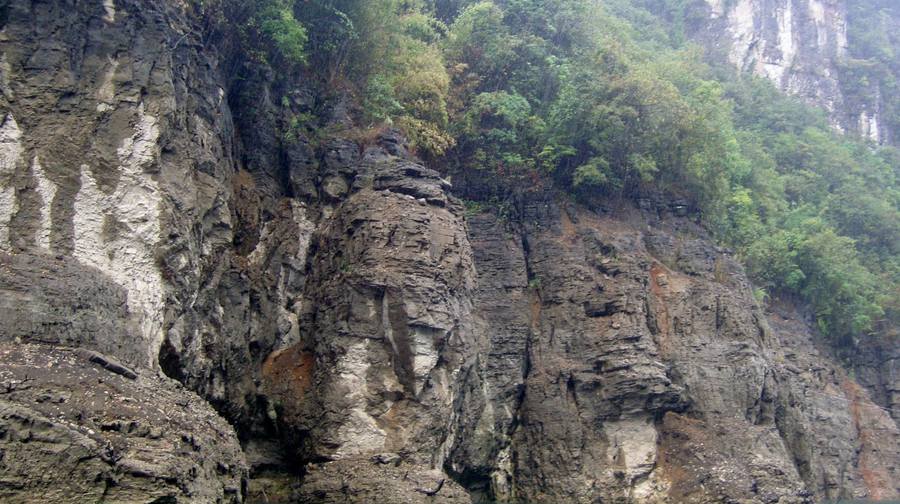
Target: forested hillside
x=604, y=98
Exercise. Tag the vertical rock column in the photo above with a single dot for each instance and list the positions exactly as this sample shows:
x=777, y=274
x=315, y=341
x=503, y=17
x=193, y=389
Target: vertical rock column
x=387, y=339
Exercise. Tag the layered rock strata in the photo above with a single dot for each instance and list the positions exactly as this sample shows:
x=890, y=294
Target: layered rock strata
x=80, y=427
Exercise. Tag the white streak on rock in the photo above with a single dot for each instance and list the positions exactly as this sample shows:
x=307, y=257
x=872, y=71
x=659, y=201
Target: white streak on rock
x=128, y=255
x=776, y=67
x=817, y=15
x=47, y=191
x=635, y=439
x=425, y=356
x=10, y=154
x=817, y=11
x=502, y=477
x=298, y=263
x=794, y=44
x=743, y=30
x=840, y=25
x=110, y=7
x=716, y=8
x=868, y=125
x=359, y=434
x=386, y=323
x=140, y=150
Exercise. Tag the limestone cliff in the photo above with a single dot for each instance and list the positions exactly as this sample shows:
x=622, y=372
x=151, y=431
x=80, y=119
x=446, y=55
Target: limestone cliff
x=799, y=45
x=366, y=338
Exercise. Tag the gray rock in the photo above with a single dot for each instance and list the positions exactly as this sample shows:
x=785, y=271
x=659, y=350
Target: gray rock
x=392, y=283
x=302, y=169
x=58, y=300
x=411, y=179
x=334, y=188
x=636, y=374
x=360, y=481
x=71, y=431
x=339, y=156
x=394, y=143
x=821, y=405
x=387, y=458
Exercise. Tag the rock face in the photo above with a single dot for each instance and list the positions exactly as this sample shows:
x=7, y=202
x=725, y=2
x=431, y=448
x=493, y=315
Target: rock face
x=116, y=141
x=369, y=481
x=797, y=44
x=388, y=332
x=365, y=337
x=94, y=169
x=79, y=427
x=877, y=368
x=829, y=402
x=632, y=367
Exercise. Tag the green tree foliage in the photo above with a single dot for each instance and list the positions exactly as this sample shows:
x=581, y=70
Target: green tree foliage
x=600, y=112
x=332, y=33
x=389, y=51
x=268, y=30
x=816, y=216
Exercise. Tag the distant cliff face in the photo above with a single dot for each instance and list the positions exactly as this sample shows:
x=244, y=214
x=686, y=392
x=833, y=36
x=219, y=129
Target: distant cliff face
x=798, y=45
x=366, y=337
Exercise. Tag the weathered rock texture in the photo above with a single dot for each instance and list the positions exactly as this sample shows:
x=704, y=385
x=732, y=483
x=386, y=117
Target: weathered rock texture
x=80, y=427
x=116, y=203
x=877, y=367
x=366, y=339
x=370, y=481
x=117, y=139
x=797, y=44
x=828, y=402
x=631, y=365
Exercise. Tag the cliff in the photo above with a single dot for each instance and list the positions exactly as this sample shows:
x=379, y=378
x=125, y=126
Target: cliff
x=197, y=309
x=801, y=46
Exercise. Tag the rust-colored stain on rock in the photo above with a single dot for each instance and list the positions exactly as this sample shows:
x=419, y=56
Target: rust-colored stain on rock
x=288, y=373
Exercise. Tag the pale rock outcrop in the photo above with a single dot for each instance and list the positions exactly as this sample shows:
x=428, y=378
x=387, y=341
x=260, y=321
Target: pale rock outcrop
x=115, y=143
x=10, y=156
x=798, y=45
